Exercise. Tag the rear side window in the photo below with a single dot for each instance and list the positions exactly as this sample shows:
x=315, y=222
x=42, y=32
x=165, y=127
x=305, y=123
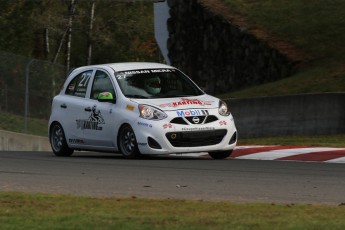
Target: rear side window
x=78, y=86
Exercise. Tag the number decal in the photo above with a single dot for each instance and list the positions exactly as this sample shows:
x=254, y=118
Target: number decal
x=121, y=76
x=85, y=78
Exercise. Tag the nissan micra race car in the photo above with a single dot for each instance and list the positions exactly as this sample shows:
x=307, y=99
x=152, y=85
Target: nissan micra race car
x=137, y=109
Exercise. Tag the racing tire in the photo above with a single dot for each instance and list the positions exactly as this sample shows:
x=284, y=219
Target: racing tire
x=220, y=154
x=127, y=141
x=58, y=141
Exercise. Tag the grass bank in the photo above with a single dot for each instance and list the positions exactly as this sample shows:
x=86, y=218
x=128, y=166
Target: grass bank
x=39, y=211
x=316, y=29
x=15, y=123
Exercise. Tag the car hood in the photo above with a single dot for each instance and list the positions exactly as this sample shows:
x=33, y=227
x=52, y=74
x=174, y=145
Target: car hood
x=178, y=103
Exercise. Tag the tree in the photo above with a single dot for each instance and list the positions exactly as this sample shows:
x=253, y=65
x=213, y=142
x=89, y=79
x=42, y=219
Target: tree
x=16, y=26
x=114, y=32
x=71, y=12
x=89, y=49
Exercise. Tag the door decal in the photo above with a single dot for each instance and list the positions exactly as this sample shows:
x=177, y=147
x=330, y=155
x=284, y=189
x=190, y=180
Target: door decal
x=95, y=119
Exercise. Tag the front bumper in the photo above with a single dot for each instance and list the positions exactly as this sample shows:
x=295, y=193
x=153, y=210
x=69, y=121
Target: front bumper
x=166, y=137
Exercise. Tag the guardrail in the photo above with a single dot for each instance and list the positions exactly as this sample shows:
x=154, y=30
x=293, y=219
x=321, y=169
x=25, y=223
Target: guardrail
x=305, y=114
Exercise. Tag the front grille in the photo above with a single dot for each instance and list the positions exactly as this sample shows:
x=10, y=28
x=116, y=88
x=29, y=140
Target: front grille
x=196, y=138
x=202, y=120
x=199, y=120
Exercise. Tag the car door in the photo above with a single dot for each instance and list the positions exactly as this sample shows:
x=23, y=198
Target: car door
x=73, y=105
x=100, y=132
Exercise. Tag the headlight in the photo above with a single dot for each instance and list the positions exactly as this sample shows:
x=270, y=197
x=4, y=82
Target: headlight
x=223, y=108
x=151, y=113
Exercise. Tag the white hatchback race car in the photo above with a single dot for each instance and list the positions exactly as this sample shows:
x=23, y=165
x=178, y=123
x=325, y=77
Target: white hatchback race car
x=138, y=108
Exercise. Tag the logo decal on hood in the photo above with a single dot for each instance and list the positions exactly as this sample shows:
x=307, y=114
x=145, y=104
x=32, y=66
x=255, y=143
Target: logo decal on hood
x=186, y=101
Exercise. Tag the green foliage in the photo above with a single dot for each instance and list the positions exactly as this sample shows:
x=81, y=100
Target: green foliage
x=16, y=32
x=123, y=31
x=120, y=33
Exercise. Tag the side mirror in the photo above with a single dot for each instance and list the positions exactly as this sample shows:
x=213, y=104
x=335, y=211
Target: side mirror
x=106, y=97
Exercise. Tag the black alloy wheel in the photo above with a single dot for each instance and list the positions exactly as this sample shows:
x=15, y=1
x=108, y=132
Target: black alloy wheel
x=127, y=143
x=58, y=141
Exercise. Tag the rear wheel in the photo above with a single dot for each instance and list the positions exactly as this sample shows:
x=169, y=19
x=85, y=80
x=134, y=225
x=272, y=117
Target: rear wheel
x=128, y=143
x=220, y=154
x=58, y=141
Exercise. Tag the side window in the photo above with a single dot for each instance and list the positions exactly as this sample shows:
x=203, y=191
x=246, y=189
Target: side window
x=101, y=83
x=78, y=86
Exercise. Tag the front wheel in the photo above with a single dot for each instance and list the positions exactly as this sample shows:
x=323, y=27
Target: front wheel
x=220, y=154
x=58, y=141
x=127, y=143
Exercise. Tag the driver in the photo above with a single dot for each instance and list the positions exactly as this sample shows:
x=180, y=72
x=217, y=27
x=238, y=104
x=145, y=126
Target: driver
x=153, y=85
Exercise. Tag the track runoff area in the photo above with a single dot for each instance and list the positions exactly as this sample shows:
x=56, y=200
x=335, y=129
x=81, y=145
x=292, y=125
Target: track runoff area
x=284, y=153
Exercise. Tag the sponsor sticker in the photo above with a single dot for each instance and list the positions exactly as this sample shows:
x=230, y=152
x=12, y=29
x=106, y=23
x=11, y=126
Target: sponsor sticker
x=167, y=126
x=93, y=122
x=198, y=129
x=144, y=124
x=130, y=107
x=76, y=141
x=186, y=101
x=222, y=122
x=191, y=112
x=128, y=74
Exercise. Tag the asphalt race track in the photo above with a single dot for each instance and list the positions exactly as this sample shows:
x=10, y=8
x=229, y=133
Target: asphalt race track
x=105, y=175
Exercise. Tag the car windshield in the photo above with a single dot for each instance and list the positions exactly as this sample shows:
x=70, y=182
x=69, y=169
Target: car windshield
x=156, y=83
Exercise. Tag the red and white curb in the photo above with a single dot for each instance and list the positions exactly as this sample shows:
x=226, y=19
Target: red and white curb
x=286, y=153
x=290, y=153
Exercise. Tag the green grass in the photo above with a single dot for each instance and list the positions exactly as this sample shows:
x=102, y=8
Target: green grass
x=15, y=123
x=312, y=80
x=317, y=28
x=40, y=211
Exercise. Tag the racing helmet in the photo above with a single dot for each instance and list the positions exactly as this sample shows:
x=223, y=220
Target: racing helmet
x=153, y=85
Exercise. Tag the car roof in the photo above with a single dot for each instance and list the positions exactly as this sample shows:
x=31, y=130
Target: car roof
x=136, y=65
x=123, y=66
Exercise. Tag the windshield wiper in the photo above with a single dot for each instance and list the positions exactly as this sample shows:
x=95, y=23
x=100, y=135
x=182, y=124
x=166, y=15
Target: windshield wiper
x=135, y=96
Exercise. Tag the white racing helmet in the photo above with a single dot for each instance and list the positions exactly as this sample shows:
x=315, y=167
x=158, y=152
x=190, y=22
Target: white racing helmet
x=153, y=85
